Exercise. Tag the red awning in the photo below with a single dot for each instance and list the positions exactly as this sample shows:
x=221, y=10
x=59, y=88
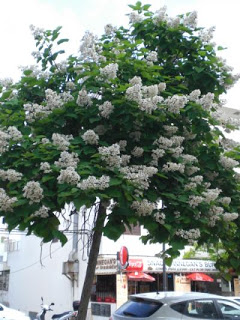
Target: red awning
x=198, y=276
x=140, y=276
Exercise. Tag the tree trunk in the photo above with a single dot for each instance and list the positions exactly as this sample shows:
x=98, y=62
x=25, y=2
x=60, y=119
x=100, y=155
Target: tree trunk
x=92, y=262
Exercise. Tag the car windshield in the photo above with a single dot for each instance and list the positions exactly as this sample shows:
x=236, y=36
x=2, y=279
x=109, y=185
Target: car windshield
x=139, y=308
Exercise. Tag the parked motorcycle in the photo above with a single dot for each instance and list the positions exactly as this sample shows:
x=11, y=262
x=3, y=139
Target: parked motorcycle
x=44, y=309
x=71, y=315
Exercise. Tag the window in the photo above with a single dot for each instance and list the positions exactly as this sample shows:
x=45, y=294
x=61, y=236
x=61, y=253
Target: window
x=139, y=308
x=179, y=307
x=134, y=230
x=201, y=309
x=4, y=280
x=229, y=309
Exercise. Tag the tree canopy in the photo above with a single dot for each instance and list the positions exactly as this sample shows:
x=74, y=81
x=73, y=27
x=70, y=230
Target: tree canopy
x=132, y=120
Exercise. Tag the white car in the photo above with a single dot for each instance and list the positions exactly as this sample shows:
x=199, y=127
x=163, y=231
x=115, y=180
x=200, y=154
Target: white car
x=11, y=314
x=175, y=305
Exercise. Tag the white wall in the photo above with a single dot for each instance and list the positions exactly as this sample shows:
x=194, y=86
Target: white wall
x=29, y=279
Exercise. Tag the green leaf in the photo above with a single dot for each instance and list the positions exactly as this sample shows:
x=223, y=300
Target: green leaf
x=62, y=40
x=115, y=182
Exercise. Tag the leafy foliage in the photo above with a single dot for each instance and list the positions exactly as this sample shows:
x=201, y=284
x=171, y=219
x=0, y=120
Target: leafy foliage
x=105, y=103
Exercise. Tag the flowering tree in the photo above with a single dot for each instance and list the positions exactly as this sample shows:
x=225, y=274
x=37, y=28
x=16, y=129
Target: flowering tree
x=128, y=123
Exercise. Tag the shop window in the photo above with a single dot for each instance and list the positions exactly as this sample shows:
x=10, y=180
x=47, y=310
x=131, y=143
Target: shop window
x=133, y=230
x=104, y=290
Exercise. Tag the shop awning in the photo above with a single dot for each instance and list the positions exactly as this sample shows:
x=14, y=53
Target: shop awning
x=140, y=276
x=199, y=276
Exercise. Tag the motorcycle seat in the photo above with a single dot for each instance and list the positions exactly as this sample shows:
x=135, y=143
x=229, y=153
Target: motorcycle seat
x=56, y=316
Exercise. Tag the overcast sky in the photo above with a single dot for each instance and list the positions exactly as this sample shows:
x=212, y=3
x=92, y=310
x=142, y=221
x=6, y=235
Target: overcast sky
x=77, y=16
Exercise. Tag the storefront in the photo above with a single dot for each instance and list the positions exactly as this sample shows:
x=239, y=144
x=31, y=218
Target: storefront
x=111, y=288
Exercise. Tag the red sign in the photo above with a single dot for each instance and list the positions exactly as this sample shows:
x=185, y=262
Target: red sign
x=123, y=256
x=135, y=265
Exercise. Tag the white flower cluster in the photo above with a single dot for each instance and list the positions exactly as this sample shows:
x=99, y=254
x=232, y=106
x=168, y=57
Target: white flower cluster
x=160, y=16
x=61, y=141
x=170, y=130
x=69, y=176
x=172, y=166
x=207, y=35
x=89, y=49
x=139, y=175
x=134, y=93
x=211, y=195
x=152, y=56
x=110, y=71
x=176, y=152
x=109, y=29
x=166, y=143
x=67, y=160
x=122, y=144
x=137, y=152
x=33, y=192
x=188, y=158
x=194, y=95
x=14, y=133
x=229, y=144
x=160, y=217
x=106, y=109
x=162, y=86
x=134, y=18
x=94, y=183
x=53, y=100
x=6, y=203
x=176, y=103
x=36, y=32
x=125, y=159
x=206, y=101
x=149, y=104
x=45, y=141
x=6, y=82
x=156, y=154
x=83, y=99
x=146, y=96
x=190, y=20
x=214, y=215
x=90, y=137
x=225, y=201
x=190, y=235
x=228, y=163
x=70, y=85
x=34, y=111
x=135, y=80
x=10, y=175
x=42, y=212
x=194, y=181
x=190, y=170
x=45, y=167
x=111, y=155
x=144, y=207
x=227, y=216
x=194, y=201
x=11, y=133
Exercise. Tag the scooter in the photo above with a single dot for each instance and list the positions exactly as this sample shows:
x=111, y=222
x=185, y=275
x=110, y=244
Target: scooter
x=61, y=316
x=45, y=308
x=71, y=315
